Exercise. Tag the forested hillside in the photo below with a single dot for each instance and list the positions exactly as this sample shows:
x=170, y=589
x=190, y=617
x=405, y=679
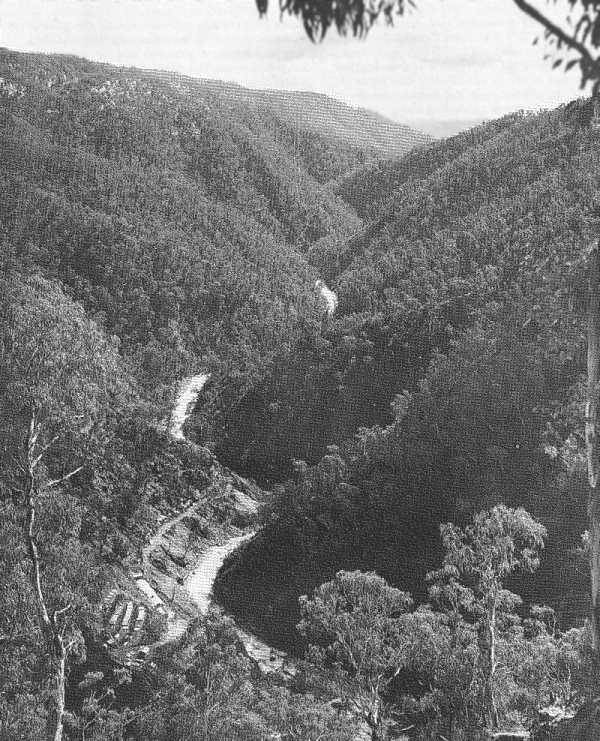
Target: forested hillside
x=178, y=216
x=319, y=114
x=150, y=228
x=155, y=228
x=459, y=301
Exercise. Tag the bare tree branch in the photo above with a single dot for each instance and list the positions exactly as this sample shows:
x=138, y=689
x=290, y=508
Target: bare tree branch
x=60, y=613
x=34, y=557
x=44, y=450
x=54, y=635
x=55, y=482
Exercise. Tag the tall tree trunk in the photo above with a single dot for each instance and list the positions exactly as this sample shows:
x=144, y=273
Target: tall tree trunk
x=373, y=716
x=50, y=625
x=591, y=439
x=55, y=725
x=487, y=652
x=492, y=675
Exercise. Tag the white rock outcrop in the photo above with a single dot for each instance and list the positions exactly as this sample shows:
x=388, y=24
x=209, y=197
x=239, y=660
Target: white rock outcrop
x=329, y=297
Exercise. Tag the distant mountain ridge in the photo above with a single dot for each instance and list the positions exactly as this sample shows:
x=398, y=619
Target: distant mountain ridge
x=165, y=207
x=358, y=127
x=332, y=119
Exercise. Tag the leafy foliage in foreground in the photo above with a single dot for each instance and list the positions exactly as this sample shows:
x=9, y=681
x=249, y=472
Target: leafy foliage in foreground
x=428, y=669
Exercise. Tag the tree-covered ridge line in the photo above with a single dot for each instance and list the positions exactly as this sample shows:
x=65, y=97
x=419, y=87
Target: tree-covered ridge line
x=299, y=114
x=460, y=305
x=464, y=299
x=318, y=113
x=369, y=189
x=489, y=225
x=177, y=216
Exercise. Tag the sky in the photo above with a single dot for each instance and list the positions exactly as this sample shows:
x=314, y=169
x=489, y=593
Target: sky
x=449, y=60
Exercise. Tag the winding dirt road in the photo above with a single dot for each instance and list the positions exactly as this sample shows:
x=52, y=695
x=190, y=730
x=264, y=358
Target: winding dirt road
x=199, y=583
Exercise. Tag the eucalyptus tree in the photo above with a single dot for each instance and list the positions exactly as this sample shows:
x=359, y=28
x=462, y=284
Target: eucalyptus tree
x=354, y=629
x=478, y=560
x=59, y=376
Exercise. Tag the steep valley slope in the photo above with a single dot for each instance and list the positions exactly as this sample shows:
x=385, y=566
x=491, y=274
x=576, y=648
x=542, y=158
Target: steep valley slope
x=180, y=215
x=460, y=301
x=182, y=218
x=193, y=223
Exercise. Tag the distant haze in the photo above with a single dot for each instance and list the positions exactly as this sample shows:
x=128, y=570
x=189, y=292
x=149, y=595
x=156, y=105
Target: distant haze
x=447, y=65
x=321, y=113
x=441, y=129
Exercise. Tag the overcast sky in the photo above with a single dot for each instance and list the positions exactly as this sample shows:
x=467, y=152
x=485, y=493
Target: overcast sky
x=450, y=59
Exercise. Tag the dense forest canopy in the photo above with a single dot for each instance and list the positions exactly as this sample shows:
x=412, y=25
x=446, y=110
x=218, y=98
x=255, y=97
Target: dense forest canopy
x=462, y=296
x=154, y=227
x=178, y=216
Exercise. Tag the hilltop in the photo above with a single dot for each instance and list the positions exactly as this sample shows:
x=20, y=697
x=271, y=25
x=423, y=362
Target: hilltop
x=325, y=116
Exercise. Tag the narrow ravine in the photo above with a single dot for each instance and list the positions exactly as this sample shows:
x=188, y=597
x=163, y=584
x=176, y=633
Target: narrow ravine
x=199, y=583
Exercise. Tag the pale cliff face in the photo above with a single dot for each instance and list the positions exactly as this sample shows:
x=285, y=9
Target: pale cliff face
x=186, y=399
x=329, y=296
